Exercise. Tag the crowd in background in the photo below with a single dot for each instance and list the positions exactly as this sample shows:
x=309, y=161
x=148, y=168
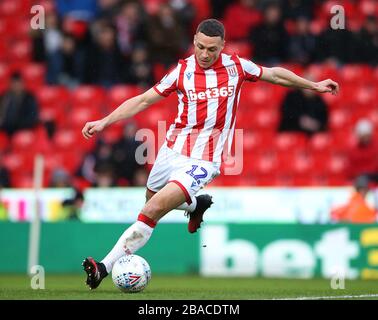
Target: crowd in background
x=110, y=42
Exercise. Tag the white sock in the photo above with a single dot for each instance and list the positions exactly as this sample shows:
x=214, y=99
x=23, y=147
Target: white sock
x=135, y=237
x=188, y=207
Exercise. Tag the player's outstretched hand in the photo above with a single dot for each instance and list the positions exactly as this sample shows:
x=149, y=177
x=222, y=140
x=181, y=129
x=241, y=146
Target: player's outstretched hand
x=92, y=127
x=327, y=86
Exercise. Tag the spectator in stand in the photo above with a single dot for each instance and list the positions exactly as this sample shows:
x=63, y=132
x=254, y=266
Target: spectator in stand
x=139, y=71
x=293, y=9
x=125, y=153
x=363, y=156
x=218, y=7
x=186, y=13
x=60, y=178
x=108, y=9
x=166, y=36
x=303, y=111
x=105, y=176
x=71, y=72
x=18, y=107
x=368, y=41
x=270, y=38
x=302, y=43
x=50, y=45
x=105, y=63
x=247, y=17
x=99, y=157
x=131, y=27
x=337, y=46
x=357, y=210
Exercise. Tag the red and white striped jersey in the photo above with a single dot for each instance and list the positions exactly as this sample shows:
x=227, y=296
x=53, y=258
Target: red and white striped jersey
x=207, y=104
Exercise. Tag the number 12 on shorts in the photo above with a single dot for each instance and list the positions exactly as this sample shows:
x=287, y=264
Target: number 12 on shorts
x=197, y=176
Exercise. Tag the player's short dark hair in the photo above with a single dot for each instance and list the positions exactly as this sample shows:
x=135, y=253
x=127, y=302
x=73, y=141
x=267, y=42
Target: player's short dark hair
x=211, y=28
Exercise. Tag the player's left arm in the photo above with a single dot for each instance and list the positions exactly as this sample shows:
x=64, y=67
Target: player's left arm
x=287, y=78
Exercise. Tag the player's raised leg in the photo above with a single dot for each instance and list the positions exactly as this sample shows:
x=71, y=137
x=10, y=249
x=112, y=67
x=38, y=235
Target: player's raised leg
x=137, y=235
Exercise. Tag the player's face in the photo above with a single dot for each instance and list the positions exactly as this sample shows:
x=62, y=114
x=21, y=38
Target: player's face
x=207, y=49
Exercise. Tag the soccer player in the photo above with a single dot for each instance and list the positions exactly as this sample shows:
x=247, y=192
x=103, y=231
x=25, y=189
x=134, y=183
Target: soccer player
x=208, y=86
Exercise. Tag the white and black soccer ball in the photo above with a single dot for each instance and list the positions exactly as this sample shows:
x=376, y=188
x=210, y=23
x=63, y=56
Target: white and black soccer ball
x=131, y=273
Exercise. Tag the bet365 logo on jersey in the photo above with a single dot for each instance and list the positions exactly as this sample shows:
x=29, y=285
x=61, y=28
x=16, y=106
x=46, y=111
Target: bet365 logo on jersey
x=211, y=93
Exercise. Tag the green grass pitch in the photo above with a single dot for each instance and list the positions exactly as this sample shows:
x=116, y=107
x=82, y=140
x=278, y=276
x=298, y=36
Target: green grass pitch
x=72, y=287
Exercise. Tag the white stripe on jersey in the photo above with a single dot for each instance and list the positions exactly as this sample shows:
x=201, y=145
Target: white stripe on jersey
x=212, y=107
x=227, y=129
x=192, y=105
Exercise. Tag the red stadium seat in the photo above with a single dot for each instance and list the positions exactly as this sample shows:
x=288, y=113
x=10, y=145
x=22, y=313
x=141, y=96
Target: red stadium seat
x=20, y=51
x=242, y=49
x=4, y=141
x=356, y=74
x=34, y=75
x=19, y=162
x=119, y=94
x=4, y=76
x=25, y=141
x=87, y=96
x=22, y=180
x=320, y=142
x=82, y=114
x=68, y=139
x=12, y=8
x=339, y=119
x=53, y=96
x=290, y=141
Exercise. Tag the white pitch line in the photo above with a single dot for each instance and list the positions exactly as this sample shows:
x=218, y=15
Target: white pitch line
x=330, y=297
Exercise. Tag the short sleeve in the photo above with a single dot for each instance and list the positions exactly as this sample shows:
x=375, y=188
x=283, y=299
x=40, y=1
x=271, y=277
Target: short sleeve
x=252, y=71
x=168, y=83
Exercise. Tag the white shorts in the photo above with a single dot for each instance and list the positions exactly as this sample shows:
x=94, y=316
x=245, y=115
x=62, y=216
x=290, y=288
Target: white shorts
x=189, y=174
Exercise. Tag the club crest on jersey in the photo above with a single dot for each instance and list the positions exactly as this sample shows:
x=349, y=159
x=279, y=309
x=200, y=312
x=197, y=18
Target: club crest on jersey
x=189, y=75
x=231, y=70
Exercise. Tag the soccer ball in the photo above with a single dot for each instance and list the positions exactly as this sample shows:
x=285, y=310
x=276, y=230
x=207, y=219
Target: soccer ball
x=131, y=273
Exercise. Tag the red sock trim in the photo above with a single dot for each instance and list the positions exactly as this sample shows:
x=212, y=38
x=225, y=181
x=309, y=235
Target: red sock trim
x=187, y=196
x=148, y=221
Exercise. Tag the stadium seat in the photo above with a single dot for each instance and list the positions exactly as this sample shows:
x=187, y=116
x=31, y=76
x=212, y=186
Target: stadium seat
x=25, y=141
x=286, y=141
x=22, y=180
x=19, y=162
x=53, y=114
x=82, y=114
x=242, y=49
x=120, y=93
x=4, y=141
x=4, y=75
x=20, y=51
x=69, y=139
x=53, y=96
x=87, y=96
x=320, y=142
x=12, y=8
x=339, y=119
x=356, y=74
x=34, y=75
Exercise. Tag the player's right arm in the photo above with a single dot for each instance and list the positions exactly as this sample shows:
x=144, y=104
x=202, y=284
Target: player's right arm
x=126, y=110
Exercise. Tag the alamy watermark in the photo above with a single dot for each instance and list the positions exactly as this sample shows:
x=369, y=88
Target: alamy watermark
x=210, y=143
x=37, y=22
x=37, y=280
x=338, y=19
x=338, y=279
